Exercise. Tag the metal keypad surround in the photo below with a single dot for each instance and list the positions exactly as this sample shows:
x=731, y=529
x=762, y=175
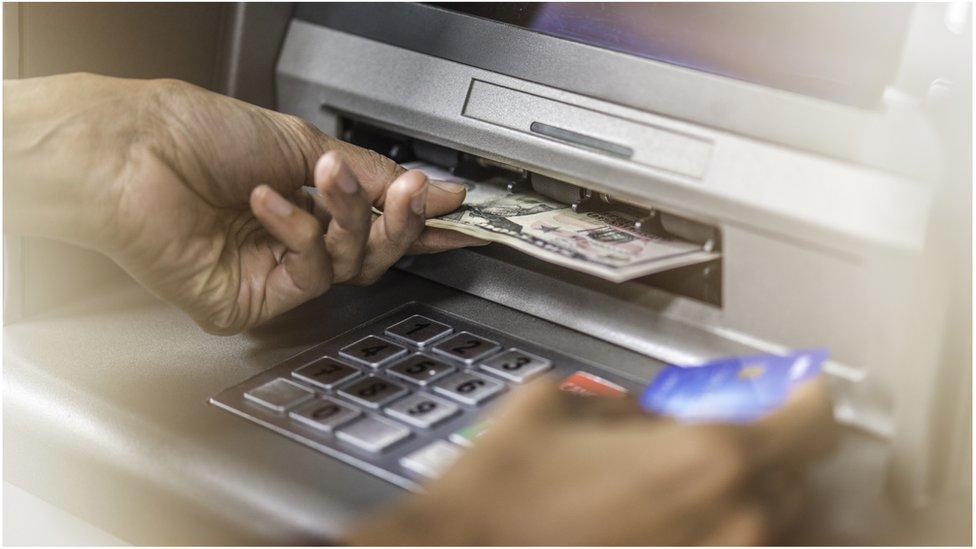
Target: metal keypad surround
x=383, y=432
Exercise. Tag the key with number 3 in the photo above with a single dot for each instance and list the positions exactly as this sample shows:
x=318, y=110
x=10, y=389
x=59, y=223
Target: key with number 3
x=516, y=365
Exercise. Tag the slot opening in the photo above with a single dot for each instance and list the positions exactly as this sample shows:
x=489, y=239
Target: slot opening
x=701, y=281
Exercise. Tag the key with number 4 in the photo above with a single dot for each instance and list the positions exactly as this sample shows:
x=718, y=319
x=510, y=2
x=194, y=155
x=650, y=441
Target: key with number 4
x=372, y=351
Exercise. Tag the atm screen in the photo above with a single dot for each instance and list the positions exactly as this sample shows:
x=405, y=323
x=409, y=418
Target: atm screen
x=845, y=53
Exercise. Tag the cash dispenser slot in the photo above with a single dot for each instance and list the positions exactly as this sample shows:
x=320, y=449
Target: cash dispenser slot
x=700, y=281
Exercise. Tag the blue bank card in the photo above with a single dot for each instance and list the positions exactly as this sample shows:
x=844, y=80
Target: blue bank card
x=734, y=389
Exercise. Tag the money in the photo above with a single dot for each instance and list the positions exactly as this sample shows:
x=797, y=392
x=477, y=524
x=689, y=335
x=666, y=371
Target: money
x=604, y=243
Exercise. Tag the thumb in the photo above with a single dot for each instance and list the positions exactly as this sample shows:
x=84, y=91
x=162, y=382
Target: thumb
x=376, y=172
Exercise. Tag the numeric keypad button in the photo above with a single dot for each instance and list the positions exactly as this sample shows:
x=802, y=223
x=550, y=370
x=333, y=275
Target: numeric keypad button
x=324, y=414
x=418, y=330
x=469, y=388
x=372, y=351
x=466, y=347
x=326, y=373
x=422, y=410
x=516, y=365
x=372, y=434
x=431, y=460
x=420, y=369
x=279, y=394
x=372, y=391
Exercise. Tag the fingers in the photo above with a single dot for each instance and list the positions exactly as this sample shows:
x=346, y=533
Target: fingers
x=433, y=240
x=377, y=173
x=444, y=197
x=351, y=217
x=303, y=272
x=401, y=223
x=782, y=495
x=744, y=525
x=796, y=434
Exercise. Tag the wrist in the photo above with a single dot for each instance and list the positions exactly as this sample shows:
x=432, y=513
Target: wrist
x=61, y=154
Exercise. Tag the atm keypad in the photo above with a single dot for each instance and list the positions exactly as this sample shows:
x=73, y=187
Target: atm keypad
x=420, y=369
x=516, y=365
x=466, y=347
x=418, y=330
x=402, y=395
x=372, y=351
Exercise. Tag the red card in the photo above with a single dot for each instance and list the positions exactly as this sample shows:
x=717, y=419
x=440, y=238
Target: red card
x=586, y=384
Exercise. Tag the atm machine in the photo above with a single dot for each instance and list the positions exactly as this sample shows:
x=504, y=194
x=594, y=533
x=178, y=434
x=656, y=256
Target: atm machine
x=821, y=151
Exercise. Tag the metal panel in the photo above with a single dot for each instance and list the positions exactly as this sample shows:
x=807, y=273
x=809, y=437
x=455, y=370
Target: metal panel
x=896, y=136
x=810, y=199
x=643, y=143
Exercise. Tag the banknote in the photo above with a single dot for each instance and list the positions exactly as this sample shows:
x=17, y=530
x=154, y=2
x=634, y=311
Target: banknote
x=603, y=243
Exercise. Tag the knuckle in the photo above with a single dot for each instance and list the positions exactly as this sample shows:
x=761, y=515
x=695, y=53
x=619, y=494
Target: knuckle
x=381, y=167
x=308, y=233
x=301, y=126
x=368, y=276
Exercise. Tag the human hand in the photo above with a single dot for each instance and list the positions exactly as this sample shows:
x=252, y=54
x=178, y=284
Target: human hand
x=199, y=196
x=559, y=469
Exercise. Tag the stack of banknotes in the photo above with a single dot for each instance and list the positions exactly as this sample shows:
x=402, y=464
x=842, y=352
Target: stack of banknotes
x=604, y=243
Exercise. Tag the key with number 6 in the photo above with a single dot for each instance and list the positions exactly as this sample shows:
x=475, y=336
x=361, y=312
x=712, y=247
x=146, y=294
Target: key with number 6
x=469, y=388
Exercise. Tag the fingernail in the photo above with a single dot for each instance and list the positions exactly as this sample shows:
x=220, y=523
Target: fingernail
x=348, y=183
x=276, y=204
x=418, y=203
x=448, y=186
x=330, y=167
